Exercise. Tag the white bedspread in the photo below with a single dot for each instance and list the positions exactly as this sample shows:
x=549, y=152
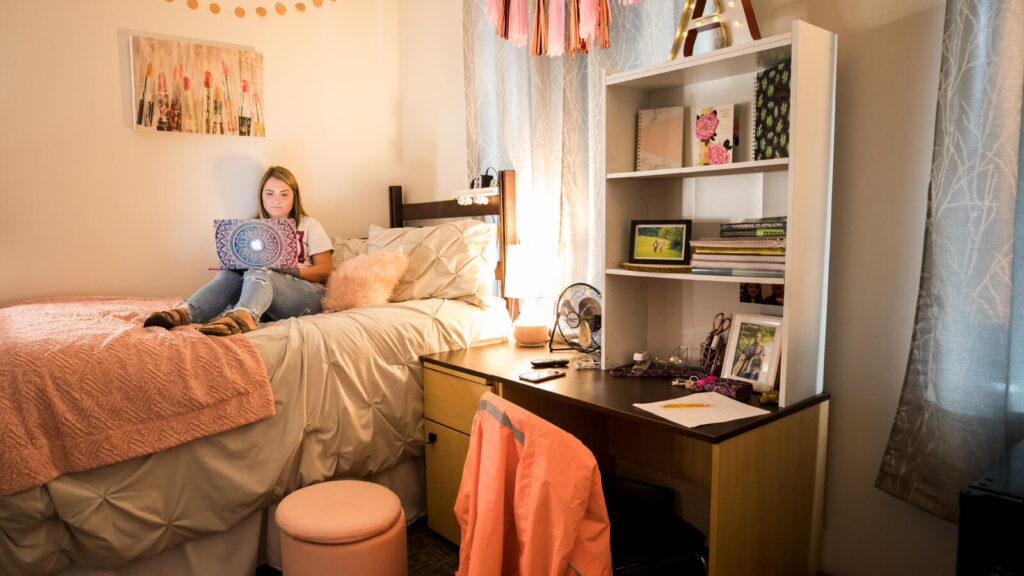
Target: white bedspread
x=349, y=399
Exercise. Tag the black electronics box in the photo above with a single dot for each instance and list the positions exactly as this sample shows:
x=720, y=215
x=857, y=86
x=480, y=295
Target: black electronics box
x=992, y=520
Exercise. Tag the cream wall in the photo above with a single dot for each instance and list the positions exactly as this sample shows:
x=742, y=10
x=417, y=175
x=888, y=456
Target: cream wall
x=433, y=103
x=92, y=207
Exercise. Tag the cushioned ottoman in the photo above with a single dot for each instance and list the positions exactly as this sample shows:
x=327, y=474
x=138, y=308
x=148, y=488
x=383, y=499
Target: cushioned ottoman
x=344, y=527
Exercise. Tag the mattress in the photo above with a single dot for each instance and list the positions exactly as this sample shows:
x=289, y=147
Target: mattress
x=348, y=393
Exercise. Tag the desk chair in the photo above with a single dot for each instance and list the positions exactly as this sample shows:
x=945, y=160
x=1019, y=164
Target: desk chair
x=530, y=501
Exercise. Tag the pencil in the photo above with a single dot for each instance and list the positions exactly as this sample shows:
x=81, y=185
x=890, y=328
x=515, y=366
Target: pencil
x=687, y=405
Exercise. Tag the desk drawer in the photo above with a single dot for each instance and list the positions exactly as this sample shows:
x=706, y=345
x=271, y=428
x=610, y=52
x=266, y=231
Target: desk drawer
x=452, y=400
x=445, y=456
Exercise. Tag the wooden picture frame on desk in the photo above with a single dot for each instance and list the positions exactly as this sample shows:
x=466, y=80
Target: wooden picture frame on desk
x=755, y=344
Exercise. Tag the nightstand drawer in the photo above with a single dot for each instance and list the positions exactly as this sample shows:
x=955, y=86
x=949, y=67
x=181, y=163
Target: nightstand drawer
x=452, y=400
x=445, y=455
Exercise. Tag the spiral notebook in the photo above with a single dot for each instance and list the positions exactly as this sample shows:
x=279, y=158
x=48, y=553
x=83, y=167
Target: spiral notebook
x=771, y=112
x=659, y=138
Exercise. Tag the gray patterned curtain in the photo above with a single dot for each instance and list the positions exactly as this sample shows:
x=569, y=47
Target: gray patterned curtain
x=542, y=117
x=962, y=405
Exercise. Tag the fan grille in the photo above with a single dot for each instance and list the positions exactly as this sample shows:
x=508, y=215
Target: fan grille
x=578, y=323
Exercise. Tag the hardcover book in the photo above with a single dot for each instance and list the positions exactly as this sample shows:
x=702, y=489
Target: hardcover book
x=659, y=138
x=771, y=113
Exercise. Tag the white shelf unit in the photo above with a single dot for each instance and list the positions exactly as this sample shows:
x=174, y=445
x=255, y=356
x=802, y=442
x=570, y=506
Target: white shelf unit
x=658, y=311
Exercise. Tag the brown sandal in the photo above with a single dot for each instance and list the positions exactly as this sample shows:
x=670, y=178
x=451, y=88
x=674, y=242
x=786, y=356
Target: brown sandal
x=167, y=319
x=234, y=322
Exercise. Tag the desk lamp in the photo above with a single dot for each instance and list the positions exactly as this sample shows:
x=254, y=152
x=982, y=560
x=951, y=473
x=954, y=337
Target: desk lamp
x=530, y=276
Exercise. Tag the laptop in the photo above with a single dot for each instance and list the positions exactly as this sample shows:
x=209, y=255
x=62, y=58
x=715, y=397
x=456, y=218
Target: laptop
x=254, y=243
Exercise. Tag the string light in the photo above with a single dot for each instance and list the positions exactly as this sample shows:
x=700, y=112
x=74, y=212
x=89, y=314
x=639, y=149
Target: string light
x=242, y=11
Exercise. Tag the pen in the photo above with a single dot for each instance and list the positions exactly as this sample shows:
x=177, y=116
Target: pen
x=686, y=405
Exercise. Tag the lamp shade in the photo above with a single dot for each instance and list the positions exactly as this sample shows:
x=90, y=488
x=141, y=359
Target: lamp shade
x=530, y=275
x=530, y=272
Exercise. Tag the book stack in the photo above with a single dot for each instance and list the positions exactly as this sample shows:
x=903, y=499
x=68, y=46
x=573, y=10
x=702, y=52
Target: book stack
x=750, y=248
x=756, y=227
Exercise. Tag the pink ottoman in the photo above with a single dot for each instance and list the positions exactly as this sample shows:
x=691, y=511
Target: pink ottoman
x=344, y=527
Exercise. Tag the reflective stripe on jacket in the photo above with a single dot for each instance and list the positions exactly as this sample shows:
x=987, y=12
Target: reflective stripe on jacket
x=530, y=501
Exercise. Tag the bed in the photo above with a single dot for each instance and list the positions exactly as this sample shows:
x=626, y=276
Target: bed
x=347, y=389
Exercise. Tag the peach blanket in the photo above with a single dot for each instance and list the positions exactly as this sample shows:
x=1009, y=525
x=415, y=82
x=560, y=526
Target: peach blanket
x=83, y=385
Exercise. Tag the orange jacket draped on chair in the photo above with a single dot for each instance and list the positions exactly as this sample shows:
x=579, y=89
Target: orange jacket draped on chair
x=530, y=501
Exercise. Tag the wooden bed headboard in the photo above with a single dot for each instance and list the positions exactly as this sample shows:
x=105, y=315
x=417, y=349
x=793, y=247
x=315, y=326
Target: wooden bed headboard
x=503, y=205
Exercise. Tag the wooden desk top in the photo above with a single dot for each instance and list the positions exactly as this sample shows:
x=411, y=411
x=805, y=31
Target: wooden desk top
x=599, y=390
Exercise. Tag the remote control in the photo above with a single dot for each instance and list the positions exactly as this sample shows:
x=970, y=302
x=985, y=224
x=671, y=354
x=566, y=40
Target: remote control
x=549, y=362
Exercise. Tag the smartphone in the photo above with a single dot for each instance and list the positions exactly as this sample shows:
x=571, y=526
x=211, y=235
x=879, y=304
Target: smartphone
x=541, y=375
x=549, y=362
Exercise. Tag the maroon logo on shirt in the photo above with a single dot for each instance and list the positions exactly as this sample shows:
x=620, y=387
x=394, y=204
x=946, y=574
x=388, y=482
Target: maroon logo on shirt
x=302, y=246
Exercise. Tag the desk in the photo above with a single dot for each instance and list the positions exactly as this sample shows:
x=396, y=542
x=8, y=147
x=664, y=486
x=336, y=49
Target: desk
x=763, y=477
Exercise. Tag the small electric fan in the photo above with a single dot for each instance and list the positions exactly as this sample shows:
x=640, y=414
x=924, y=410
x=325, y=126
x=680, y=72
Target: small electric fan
x=577, y=320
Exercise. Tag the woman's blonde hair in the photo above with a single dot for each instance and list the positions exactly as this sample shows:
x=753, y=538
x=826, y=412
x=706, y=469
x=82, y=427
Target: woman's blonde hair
x=284, y=175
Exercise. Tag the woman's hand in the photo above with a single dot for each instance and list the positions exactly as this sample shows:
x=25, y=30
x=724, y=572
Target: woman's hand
x=320, y=269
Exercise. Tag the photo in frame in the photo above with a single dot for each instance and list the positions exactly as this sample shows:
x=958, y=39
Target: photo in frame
x=766, y=294
x=753, y=350
x=660, y=241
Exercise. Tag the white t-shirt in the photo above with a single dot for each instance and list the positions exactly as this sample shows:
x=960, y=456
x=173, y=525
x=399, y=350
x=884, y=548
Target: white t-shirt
x=313, y=239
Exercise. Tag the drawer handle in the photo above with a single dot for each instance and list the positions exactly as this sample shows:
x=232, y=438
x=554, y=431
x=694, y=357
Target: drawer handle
x=431, y=438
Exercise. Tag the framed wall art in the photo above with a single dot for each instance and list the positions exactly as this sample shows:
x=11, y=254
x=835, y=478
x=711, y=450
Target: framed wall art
x=196, y=88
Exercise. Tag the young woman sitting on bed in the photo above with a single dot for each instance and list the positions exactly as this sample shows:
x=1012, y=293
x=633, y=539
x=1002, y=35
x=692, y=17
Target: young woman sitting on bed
x=253, y=294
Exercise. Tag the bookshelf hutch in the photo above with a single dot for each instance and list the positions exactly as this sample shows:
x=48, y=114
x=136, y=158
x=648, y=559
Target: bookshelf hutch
x=658, y=311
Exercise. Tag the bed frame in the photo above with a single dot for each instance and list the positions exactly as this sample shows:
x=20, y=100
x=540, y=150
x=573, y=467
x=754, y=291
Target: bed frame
x=503, y=205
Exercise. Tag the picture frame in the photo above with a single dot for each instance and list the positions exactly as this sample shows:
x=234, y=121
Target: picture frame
x=660, y=242
x=754, y=349
x=763, y=294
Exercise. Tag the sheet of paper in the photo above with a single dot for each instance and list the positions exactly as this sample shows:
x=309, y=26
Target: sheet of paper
x=719, y=409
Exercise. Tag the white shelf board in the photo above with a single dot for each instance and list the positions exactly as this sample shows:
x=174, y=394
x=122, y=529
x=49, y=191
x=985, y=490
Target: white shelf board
x=731, y=61
x=695, y=277
x=715, y=170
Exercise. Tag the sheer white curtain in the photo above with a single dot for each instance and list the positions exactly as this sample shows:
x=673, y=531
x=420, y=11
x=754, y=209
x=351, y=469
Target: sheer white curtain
x=962, y=405
x=542, y=117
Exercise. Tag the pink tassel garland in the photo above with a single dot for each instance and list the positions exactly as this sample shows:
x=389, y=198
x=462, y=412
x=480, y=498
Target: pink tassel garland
x=556, y=28
x=519, y=23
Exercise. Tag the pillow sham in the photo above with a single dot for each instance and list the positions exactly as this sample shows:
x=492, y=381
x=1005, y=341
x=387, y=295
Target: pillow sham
x=346, y=249
x=364, y=280
x=452, y=260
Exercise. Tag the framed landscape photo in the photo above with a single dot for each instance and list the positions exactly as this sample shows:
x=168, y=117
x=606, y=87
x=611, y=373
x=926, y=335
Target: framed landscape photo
x=753, y=351
x=660, y=241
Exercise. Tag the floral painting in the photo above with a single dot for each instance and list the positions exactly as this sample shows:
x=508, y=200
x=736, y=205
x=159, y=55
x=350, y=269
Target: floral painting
x=196, y=88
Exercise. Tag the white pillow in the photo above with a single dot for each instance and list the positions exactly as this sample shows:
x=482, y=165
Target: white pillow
x=348, y=249
x=452, y=260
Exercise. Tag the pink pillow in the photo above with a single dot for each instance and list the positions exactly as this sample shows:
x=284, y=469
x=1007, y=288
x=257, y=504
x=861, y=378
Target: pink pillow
x=364, y=280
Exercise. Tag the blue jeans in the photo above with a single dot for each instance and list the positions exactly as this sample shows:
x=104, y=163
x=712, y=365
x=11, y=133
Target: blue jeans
x=264, y=294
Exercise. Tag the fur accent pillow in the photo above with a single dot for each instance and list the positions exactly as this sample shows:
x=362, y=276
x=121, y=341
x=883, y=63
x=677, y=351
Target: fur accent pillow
x=364, y=280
